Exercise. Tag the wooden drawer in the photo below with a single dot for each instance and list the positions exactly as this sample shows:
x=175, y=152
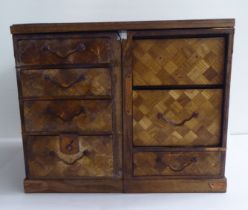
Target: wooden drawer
x=65, y=82
x=178, y=61
x=69, y=156
x=68, y=115
x=177, y=117
x=63, y=50
x=177, y=163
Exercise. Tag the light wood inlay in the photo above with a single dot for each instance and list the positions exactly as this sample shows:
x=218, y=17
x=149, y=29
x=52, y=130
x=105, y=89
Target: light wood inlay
x=178, y=61
x=177, y=106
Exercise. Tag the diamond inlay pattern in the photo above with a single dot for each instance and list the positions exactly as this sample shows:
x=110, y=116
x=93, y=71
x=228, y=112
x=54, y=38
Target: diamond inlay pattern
x=178, y=61
x=177, y=106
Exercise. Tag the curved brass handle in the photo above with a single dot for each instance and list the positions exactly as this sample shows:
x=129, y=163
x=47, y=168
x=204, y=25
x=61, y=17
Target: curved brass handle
x=63, y=116
x=161, y=116
x=163, y=165
x=70, y=161
x=181, y=168
x=78, y=48
x=64, y=86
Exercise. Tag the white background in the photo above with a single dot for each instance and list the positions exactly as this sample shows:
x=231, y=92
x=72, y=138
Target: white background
x=37, y=11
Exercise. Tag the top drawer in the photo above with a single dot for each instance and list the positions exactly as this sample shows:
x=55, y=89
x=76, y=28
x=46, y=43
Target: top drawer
x=63, y=50
x=178, y=61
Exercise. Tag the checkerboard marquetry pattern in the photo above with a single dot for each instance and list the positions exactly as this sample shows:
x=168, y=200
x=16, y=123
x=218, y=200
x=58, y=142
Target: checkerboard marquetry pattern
x=176, y=106
x=178, y=61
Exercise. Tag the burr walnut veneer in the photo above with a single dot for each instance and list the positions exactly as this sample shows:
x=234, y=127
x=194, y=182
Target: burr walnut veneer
x=124, y=106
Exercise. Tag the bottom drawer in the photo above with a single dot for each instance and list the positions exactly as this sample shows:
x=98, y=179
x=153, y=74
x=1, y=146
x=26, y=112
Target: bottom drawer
x=69, y=156
x=177, y=163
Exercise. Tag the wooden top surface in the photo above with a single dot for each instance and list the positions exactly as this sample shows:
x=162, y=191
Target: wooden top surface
x=110, y=26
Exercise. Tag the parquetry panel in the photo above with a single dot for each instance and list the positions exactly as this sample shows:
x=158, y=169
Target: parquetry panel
x=177, y=117
x=178, y=61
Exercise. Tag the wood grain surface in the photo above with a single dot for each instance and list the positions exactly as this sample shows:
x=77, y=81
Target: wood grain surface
x=113, y=26
x=66, y=82
x=92, y=157
x=63, y=50
x=68, y=116
x=177, y=163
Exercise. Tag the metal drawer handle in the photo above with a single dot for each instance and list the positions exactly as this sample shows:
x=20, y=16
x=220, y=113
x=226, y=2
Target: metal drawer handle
x=181, y=168
x=79, y=48
x=162, y=165
x=64, y=86
x=70, y=162
x=63, y=116
x=162, y=117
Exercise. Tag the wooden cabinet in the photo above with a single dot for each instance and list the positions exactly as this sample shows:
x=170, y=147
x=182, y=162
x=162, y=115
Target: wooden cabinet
x=124, y=106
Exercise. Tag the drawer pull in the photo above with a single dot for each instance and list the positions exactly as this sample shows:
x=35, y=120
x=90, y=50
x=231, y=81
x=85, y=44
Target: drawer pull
x=64, y=116
x=162, y=117
x=70, y=161
x=79, y=48
x=65, y=86
x=161, y=164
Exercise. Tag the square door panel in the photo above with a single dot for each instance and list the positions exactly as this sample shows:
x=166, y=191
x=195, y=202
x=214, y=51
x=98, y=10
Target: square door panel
x=180, y=61
x=177, y=117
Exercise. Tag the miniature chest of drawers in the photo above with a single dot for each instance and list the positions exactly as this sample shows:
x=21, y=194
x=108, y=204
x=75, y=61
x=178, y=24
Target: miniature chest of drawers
x=124, y=106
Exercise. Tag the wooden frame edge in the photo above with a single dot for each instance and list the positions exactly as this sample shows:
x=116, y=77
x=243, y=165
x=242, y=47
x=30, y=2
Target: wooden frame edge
x=124, y=25
x=176, y=186
x=73, y=186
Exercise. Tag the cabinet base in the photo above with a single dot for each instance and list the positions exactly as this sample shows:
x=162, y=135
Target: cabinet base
x=130, y=186
x=73, y=186
x=176, y=186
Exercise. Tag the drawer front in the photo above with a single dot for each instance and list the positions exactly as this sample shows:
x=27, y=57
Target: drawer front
x=178, y=61
x=65, y=82
x=45, y=51
x=177, y=117
x=68, y=115
x=177, y=163
x=68, y=156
